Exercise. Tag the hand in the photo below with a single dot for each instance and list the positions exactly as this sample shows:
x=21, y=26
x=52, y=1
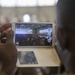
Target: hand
x=8, y=51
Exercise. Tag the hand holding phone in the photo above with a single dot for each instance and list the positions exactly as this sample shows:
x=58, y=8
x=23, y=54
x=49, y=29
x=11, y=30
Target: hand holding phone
x=8, y=51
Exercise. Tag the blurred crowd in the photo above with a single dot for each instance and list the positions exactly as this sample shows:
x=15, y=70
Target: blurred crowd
x=6, y=20
x=31, y=40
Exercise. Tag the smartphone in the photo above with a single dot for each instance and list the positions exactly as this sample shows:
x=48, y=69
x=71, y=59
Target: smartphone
x=33, y=34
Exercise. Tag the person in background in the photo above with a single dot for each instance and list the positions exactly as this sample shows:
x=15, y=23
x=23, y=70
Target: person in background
x=65, y=27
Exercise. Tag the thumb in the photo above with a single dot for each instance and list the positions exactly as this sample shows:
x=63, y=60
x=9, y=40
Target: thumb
x=9, y=36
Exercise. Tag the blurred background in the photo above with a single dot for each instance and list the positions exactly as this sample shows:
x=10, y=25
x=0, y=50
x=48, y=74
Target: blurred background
x=28, y=10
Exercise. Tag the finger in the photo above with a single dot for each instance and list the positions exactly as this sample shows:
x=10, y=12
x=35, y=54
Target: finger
x=4, y=27
x=3, y=38
x=9, y=36
x=3, y=35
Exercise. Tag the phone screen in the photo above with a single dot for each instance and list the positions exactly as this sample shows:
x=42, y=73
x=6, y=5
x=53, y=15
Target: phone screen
x=33, y=34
